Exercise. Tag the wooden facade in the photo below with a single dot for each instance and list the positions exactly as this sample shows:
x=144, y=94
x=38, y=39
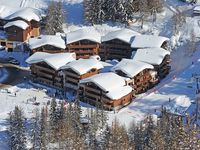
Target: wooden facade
x=71, y=78
x=140, y=82
x=92, y=94
x=115, y=49
x=84, y=48
x=164, y=68
x=48, y=49
x=43, y=73
x=17, y=34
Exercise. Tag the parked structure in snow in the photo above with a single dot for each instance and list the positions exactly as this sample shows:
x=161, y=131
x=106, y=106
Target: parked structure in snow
x=84, y=42
x=107, y=90
x=158, y=57
x=137, y=73
x=117, y=44
x=19, y=26
x=47, y=43
x=45, y=67
x=76, y=70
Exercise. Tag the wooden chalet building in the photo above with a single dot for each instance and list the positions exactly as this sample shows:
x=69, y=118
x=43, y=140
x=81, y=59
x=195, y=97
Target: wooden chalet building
x=79, y=69
x=149, y=41
x=137, y=73
x=84, y=42
x=29, y=15
x=19, y=26
x=158, y=57
x=117, y=44
x=45, y=67
x=47, y=43
x=106, y=89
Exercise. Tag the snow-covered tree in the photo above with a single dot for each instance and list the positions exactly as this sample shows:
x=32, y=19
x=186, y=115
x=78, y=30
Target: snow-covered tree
x=36, y=131
x=17, y=131
x=55, y=18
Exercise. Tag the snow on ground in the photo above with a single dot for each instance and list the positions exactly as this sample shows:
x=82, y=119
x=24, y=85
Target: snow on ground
x=183, y=86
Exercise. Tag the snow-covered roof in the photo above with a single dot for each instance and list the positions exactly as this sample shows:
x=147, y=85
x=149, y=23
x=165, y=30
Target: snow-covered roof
x=6, y=10
x=19, y=23
x=125, y=35
x=113, y=84
x=27, y=14
x=54, y=60
x=106, y=81
x=53, y=40
x=146, y=41
x=82, y=66
x=153, y=56
x=83, y=34
x=196, y=9
x=131, y=67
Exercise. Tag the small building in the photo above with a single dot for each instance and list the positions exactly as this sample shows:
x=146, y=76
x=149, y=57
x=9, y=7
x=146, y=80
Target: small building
x=17, y=32
x=47, y=43
x=148, y=41
x=29, y=15
x=117, y=44
x=19, y=26
x=45, y=67
x=106, y=89
x=158, y=57
x=79, y=69
x=137, y=73
x=84, y=42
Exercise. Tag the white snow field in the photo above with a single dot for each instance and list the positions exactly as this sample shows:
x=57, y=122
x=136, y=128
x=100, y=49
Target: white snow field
x=178, y=87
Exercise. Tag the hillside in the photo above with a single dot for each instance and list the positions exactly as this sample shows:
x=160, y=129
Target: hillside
x=177, y=92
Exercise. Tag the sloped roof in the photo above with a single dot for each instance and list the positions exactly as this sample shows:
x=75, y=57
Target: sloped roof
x=42, y=40
x=27, y=14
x=82, y=66
x=125, y=35
x=152, y=56
x=54, y=60
x=83, y=34
x=146, y=41
x=131, y=67
x=19, y=23
x=113, y=84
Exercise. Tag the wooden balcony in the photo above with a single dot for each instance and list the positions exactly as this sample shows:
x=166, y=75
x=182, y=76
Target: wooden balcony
x=92, y=89
x=70, y=74
x=92, y=95
x=40, y=73
x=51, y=71
x=81, y=46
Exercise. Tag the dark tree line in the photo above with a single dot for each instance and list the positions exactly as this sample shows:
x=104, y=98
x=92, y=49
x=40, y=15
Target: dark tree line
x=62, y=126
x=99, y=11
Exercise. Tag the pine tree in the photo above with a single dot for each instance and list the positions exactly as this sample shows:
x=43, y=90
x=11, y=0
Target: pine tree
x=16, y=130
x=55, y=18
x=43, y=130
x=36, y=131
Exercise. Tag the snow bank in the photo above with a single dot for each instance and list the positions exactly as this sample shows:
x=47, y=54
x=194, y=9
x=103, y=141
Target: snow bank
x=179, y=105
